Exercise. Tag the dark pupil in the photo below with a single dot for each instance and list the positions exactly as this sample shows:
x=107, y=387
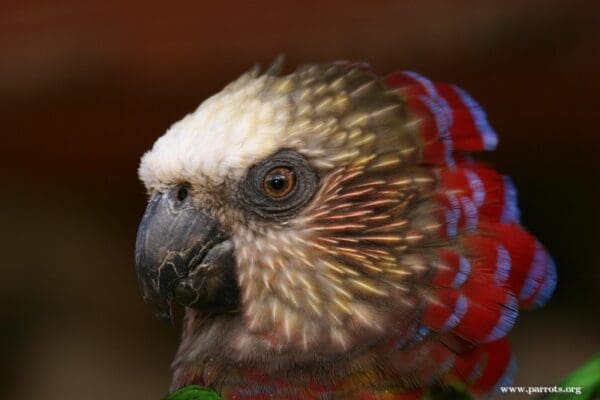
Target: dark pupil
x=277, y=182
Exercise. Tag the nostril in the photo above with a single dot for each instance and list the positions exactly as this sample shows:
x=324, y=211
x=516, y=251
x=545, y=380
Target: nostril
x=182, y=193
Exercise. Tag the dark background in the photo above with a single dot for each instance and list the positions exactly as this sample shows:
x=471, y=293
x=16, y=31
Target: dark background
x=86, y=88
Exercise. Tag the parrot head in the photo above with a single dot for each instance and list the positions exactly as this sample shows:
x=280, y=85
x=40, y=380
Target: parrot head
x=278, y=199
x=310, y=219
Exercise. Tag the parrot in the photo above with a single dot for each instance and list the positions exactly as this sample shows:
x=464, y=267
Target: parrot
x=331, y=234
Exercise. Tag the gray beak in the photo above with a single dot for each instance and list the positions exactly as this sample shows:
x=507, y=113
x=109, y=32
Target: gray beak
x=181, y=253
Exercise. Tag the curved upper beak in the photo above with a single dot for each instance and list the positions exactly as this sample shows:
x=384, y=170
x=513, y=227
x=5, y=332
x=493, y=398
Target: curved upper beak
x=181, y=253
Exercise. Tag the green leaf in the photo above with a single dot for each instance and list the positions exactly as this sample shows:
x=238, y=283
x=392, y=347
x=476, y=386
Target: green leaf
x=446, y=393
x=586, y=378
x=193, y=393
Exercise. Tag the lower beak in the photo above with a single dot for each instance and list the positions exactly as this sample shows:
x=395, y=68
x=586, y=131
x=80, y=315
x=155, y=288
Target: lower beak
x=181, y=253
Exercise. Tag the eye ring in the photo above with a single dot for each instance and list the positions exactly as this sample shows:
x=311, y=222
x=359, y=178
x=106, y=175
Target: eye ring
x=279, y=182
x=254, y=198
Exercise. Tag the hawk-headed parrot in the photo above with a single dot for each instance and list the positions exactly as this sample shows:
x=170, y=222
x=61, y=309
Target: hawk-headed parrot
x=332, y=237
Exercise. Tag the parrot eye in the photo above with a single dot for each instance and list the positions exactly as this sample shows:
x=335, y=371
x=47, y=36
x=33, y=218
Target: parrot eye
x=279, y=182
x=276, y=188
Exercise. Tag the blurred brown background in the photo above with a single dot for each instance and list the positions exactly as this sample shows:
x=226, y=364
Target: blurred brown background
x=86, y=87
